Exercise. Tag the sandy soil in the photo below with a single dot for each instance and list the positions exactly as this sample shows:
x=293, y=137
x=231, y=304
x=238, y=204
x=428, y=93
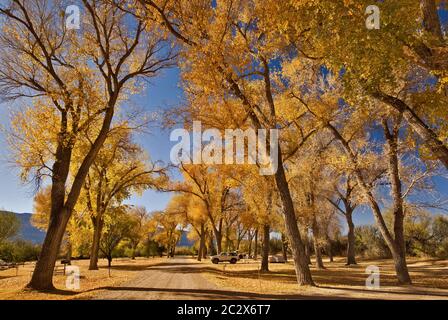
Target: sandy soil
x=13, y=281
x=337, y=281
x=185, y=278
x=168, y=280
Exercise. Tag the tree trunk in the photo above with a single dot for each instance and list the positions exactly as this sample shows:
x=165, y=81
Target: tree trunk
x=301, y=266
x=250, y=244
x=95, y=249
x=351, y=258
x=256, y=245
x=42, y=278
x=318, y=253
x=307, y=251
x=68, y=257
x=201, y=243
x=218, y=236
x=330, y=250
x=134, y=249
x=396, y=189
x=211, y=244
x=284, y=248
x=265, y=252
x=317, y=248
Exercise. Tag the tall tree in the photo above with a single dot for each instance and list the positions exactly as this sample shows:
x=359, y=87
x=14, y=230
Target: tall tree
x=80, y=80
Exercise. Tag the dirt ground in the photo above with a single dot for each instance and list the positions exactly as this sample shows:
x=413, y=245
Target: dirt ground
x=430, y=279
x=91, y=282
x=185, y=278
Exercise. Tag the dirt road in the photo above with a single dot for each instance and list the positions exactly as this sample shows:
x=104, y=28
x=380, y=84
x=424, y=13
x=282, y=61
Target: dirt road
x=177, y=278
x=180, y=279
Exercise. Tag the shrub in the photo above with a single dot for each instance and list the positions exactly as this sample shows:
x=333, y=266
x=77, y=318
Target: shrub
x=19, y=251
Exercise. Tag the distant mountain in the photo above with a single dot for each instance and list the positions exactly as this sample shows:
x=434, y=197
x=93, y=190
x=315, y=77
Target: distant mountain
x=27, y=230
x=184, y=241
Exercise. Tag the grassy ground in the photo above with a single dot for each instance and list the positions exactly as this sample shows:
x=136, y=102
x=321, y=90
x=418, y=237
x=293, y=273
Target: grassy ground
x=430, y=279
x=91, y=282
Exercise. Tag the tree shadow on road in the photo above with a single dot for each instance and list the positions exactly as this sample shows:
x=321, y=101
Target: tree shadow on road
x=179, y=294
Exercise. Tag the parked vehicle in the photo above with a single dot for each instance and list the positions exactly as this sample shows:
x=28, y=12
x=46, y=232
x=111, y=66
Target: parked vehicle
x=231, y=257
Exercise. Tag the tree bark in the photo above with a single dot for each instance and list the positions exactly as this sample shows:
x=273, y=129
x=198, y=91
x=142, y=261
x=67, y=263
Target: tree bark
x=201, y=243
x=43, y=271
x=301, y=266
x=250, y=244
x=256, y=245
x=330, y=250
x=95, y=249
x=265, y=251
x=284, y=248
x=317, y=248
x=211, y=244
x=396, y=189
x=351, y=257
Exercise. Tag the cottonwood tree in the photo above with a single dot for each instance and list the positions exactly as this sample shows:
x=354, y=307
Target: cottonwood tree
x=77, y=79
x=117, y=227
x=227, y=56
x=394, y=75
x=120, y=169
x=168, y=229
x=9, y=225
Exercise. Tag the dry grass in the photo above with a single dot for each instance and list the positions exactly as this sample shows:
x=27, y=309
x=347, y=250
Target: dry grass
x=91, y=282
x=430, y=280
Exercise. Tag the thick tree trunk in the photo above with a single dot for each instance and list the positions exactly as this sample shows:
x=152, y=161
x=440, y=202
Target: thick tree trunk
x=42, y=278
x=265, y=251
x=218, y=236
x=204, y=249
x=284, y=248
x=301, y=266
x=351, y=257
x=201, y=243
x=396, y=189
x=307, y=251
x=211, y=244
x=95, y=249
